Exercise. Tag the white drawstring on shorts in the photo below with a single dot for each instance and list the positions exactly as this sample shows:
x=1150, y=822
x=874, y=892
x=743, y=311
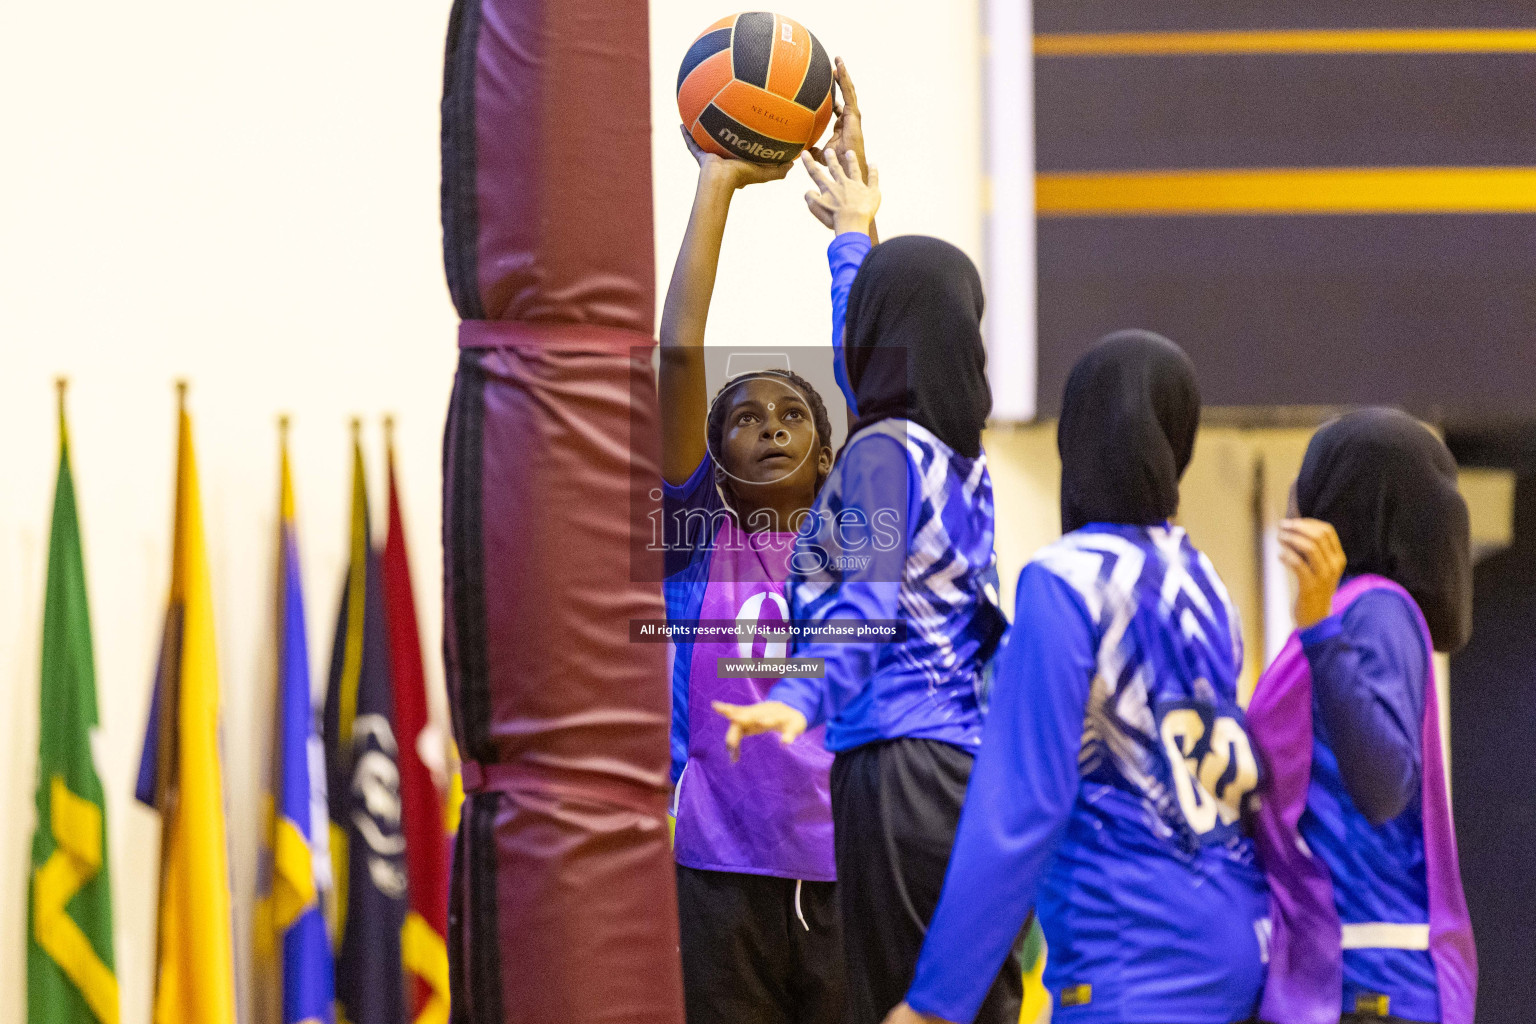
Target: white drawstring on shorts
x=798, y=912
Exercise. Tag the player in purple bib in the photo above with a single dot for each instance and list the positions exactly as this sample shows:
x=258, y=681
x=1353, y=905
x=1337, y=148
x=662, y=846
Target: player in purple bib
x=1369, y=919
x=760, y=928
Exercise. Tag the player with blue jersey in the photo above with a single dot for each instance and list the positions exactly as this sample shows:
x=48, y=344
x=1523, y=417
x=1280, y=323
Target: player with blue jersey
x=1115, y=770
x=1356, y=835
x=903, y=539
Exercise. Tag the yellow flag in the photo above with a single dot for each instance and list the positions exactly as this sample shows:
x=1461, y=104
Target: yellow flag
x=195, y=976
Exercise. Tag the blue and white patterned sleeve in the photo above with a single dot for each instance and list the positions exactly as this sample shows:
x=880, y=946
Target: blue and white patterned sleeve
x=875, y=479
x=844, y=257
x=1019, y=799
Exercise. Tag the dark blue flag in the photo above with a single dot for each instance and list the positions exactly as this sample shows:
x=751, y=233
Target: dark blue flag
x=367, y=842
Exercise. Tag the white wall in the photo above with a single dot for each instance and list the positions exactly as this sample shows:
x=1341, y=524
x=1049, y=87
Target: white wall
x=245, y=195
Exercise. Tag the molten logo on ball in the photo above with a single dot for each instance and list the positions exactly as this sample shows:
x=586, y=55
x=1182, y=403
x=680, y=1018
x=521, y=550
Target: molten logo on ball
x=750, y=148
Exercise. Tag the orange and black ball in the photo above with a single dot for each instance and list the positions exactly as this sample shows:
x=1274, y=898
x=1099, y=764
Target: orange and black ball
x=756, y=86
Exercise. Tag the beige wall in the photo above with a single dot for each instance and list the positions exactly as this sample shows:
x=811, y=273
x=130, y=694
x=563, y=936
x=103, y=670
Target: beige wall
x=1233, y=494
x=1219, y=497
x=244, y=195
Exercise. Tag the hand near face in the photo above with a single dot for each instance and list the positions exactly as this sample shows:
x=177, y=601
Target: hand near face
x=1310, y=548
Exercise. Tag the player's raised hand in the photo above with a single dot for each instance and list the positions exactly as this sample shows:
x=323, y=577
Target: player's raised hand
x=753, y=719
x=848, y=129
x=729, y=171
x=1310, y=548
x=842, y=199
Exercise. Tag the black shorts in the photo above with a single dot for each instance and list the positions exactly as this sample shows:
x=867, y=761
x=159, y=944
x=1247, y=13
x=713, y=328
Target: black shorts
x=759, y=949
x=895, y=810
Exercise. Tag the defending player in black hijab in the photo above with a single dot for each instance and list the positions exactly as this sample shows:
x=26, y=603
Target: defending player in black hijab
x=913, y=341
x=1377, y=496
x=1128, y=422
x=1388, y=486
x=1115, y=767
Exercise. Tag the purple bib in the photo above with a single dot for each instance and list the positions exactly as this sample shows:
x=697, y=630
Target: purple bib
x=770, y=813
x=1306, y=959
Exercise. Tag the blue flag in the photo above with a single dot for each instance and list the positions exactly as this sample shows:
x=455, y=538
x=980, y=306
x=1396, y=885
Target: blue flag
x=296, y=863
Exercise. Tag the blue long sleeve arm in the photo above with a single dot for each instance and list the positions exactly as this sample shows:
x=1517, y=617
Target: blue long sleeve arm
x=687, y=565
x=844, y=257
x=876, y=490
x=1369, y=669
x=1019, y=800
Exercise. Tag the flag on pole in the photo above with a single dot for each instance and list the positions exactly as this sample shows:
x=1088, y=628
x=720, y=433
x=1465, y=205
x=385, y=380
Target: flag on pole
x=367, y=845
x=70, y=975
x=295, y=873
x=181, y=776
x=424, y=943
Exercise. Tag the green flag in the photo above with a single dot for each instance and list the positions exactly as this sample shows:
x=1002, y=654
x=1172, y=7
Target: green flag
x=70, y=976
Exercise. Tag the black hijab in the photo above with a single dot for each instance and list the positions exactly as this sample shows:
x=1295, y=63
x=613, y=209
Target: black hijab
x=1127, y=430
x=912, y=341
x=1388, y=486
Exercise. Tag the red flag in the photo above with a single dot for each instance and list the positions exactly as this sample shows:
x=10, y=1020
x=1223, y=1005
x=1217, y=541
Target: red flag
x=424, y=947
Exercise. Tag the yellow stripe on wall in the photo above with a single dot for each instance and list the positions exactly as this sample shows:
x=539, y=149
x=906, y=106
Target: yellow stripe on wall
x=1300, y=190
x=1357, y=40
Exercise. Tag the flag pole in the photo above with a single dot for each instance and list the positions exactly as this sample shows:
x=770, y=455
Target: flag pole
x=61, y=385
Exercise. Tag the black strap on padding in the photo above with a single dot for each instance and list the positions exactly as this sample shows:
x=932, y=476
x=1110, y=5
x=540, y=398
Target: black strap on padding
x=468, y=658
x=460, y=211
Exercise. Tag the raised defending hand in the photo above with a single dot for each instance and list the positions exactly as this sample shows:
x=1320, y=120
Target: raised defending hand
x=848, y=130
x=731, y=172
x=904, y=1014
x=764, y=716
x=1310, y=548
x=842, y=200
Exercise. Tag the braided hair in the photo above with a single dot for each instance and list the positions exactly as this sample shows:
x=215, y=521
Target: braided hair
x=715, y=429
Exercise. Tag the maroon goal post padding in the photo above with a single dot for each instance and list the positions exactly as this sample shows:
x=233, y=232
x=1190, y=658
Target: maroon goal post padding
x=563, y=905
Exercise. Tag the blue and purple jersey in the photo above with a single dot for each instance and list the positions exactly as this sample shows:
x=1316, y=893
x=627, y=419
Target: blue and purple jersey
x=1364, y=818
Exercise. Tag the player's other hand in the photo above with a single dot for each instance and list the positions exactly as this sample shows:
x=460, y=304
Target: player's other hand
x=848, y=129
x=904, y=1014
x=752, y=719
x=729, y=171
x=842, y=199
x=1310, y=548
